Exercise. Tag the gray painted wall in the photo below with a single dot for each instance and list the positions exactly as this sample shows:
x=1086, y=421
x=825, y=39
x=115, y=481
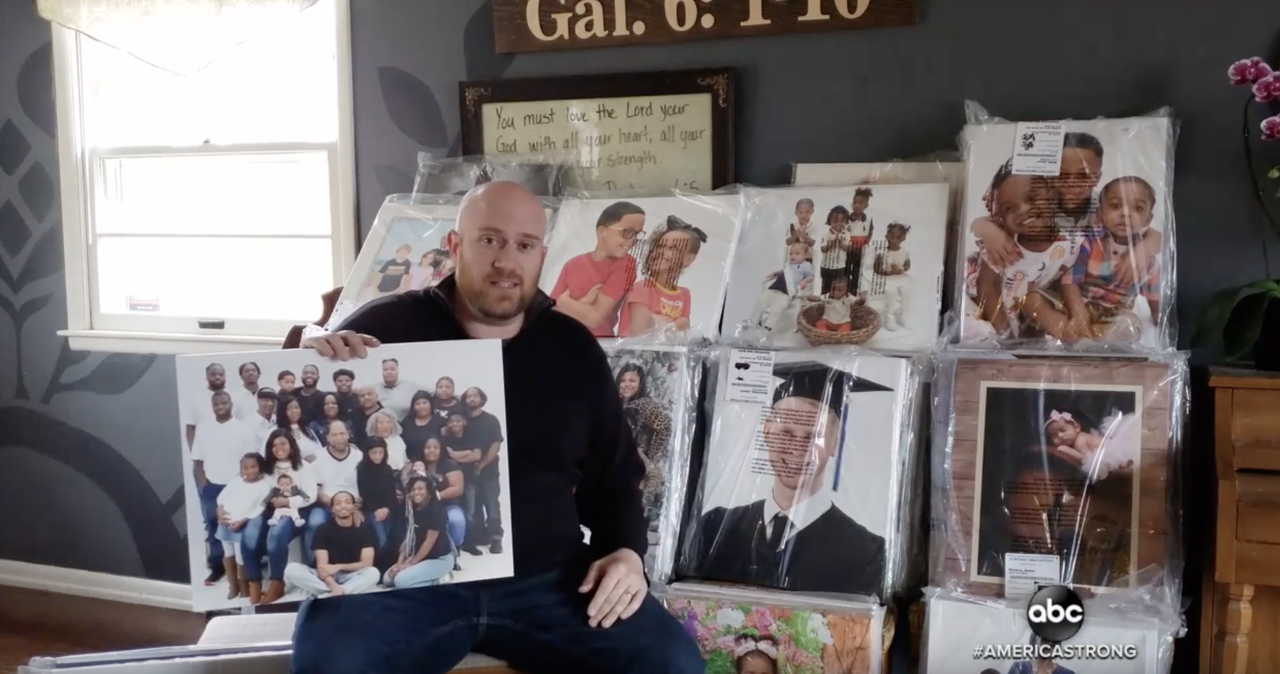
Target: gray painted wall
x=88, y=451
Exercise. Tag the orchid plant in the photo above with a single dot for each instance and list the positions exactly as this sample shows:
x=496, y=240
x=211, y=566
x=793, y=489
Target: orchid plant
x=1237, y=314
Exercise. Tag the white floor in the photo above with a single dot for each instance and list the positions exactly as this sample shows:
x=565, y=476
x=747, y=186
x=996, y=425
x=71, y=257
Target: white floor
x=474, y=567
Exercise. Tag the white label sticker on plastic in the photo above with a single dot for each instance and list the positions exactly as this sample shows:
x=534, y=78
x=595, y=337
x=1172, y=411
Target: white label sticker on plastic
x=1024, y=574
x=1037, y=148
x=750, y=377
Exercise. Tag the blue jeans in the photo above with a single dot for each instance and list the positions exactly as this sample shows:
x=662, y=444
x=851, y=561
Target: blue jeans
x=424, y=573
x=538, y=625
x=381, y=530
x=209, y=511
x=457, y=524
x=273, y=541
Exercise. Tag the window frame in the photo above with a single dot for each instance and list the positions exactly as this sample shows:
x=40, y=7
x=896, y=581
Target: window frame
x=77, y=161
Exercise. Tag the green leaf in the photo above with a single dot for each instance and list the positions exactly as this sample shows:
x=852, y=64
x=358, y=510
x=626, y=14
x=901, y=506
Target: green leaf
x=1274, y=173
x=1214, y=318
x=1244, y=325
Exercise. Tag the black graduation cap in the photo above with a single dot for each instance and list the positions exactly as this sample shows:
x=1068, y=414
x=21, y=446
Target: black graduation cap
x=819, y=382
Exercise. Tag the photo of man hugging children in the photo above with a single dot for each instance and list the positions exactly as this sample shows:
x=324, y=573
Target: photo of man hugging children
x=1050, y=259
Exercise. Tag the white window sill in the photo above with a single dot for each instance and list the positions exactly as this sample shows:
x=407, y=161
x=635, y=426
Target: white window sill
x=113, y=341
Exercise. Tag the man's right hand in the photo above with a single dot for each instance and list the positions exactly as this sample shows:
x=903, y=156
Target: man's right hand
x=343, y=345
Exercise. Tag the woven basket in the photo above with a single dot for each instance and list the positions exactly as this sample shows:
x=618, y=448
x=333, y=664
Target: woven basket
x=865, y=323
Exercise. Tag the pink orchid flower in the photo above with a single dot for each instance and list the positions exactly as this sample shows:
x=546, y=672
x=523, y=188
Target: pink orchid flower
x=1271, y=128
x=1248, y=71
x=1267, y=88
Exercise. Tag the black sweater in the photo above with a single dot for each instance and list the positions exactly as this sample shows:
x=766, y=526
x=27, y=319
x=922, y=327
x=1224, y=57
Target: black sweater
x=377, y=485
x=571, y=455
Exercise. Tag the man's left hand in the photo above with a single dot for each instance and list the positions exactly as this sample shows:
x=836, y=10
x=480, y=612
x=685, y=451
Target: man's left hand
x=619, y=585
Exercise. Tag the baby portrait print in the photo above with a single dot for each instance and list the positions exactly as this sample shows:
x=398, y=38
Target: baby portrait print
x=1077, y=259
x=646, y=266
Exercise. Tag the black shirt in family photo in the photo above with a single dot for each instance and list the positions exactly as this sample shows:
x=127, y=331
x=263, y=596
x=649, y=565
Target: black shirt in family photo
x=443, y=468
x=431, y=517
x=393, y=271
x=344, y=544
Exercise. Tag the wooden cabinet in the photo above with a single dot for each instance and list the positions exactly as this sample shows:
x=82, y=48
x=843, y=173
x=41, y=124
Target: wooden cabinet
x=1240, y=611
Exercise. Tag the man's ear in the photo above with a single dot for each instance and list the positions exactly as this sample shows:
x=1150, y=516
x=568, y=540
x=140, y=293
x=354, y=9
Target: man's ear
x=451, y=242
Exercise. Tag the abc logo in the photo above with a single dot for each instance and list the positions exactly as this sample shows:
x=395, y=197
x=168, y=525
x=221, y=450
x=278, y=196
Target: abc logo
x=1055, y=613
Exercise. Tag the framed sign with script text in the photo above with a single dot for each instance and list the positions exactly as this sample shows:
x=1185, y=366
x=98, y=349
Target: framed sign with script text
x=545, y=25
x=622, y=132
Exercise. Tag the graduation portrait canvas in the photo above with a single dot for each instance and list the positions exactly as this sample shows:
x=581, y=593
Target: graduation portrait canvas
x=656, y=385
x=644, y=266
x=802, y=474
x=956, y=628
x=1074, y=253
x=818, y=251
x=405, y=251
x=746, y=630
x=393, y=467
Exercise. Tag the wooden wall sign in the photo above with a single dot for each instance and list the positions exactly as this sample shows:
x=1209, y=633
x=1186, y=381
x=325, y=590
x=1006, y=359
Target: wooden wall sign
x=544, y=25
x=651, y=132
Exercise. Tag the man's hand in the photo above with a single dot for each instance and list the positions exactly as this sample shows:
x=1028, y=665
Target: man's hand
x=394, y=571
x=343, y=345
x=381, y=514
x=237, y=525
x=326, y=571
x=619, y=585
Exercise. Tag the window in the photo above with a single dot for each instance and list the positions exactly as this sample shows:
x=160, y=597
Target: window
x=206, y=212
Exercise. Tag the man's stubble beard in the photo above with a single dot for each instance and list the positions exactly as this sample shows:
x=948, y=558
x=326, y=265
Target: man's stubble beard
x=480, y=301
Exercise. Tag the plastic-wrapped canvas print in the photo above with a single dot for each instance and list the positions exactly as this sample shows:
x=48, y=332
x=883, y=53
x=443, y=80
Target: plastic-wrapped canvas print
x=823, y=265
x=801, y=484
x=747, y=631
x=630, y=268
x=405, y=251
x=313, y=478
x=656, y=385
x=1073, y=253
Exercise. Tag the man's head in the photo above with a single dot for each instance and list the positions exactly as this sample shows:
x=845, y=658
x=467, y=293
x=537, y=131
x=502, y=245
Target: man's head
x=475, y=398
x=1080, y=171
x=618, y=227
x=456, y=423
x=216, y=376
x=343, y=379
x=338, y=435
x=249, y=373
x=221, y=402
x=802, y=429
x=390, y=371
x=367, y=396
x=343, y=505
x=499, y=250
x=266, y=402
x=310, y=376
x=444, y=389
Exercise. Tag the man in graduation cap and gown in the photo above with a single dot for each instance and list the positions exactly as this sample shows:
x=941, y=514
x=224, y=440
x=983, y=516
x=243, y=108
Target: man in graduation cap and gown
x=797, y=539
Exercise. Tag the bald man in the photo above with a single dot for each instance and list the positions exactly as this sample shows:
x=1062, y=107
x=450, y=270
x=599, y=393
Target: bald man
x=570, y=607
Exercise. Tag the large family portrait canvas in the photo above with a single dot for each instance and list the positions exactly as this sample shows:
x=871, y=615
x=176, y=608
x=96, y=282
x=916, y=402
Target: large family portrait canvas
x=865, y=261
x=405, y=251
x=761, y=632
x=645, y=266
x=1080, y=259
x=802, y=477
x=656, y=385
x=314, y=478
x=1063, y=462
x=956, y=628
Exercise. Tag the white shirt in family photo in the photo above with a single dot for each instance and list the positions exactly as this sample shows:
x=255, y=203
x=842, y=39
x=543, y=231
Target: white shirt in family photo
x=244, y=500
x=219, y=445
x=398, y=398
x=334, y=474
